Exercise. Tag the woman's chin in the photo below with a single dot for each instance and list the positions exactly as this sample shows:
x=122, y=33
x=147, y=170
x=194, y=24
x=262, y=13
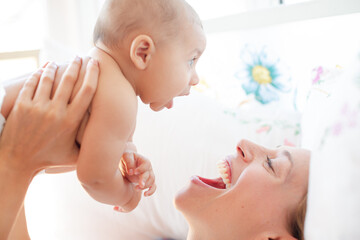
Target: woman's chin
x=189, y=200
x=186, y=201
x=181, y=199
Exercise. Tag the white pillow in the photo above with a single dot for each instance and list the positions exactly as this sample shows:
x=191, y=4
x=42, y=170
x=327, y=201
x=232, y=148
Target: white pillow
x=331, y=129
x=181, y=142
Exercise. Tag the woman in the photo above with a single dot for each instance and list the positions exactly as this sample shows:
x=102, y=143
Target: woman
x=265, y=197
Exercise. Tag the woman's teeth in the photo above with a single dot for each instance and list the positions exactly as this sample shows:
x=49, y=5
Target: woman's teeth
x=225, y=173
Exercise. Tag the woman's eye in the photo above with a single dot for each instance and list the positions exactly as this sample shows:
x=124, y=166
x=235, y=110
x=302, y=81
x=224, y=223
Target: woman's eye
x=269, y=162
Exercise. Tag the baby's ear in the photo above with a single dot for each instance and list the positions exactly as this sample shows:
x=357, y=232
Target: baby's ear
x=141, y=50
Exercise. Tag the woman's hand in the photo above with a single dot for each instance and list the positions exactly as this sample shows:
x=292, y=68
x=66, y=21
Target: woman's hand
x=40, y=132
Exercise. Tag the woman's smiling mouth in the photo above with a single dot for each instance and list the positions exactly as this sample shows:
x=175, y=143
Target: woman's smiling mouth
x=225, y=171
x=223, y=182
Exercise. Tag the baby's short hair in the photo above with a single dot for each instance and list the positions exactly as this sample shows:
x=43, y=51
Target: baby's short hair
x=119, y=18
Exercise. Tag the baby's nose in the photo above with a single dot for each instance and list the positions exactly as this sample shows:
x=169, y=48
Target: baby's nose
x=194, y=80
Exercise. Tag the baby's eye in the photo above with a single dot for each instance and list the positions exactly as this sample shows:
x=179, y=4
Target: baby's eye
x=191, y=62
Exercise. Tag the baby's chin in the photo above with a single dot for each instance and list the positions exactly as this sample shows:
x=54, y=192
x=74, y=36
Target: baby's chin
x=158, y=108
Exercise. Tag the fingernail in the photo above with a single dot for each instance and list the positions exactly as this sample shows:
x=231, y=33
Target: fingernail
x=131, y=172
x=53, y=64
x=94, y=61
x=142, y=183
x=137, y=172
x=77, y=59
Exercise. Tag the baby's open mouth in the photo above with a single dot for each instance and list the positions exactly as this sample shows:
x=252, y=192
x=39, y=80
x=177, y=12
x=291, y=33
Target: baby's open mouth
x=224, y=181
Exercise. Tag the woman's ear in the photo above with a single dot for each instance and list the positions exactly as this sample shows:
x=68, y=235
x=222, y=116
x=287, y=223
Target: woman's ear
x=141, y=50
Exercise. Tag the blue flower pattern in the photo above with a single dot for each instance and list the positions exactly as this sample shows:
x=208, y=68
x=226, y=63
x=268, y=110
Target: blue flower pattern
x=265, y=78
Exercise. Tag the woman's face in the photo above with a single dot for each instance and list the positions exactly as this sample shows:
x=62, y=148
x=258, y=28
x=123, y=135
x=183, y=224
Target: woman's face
x=266, y=185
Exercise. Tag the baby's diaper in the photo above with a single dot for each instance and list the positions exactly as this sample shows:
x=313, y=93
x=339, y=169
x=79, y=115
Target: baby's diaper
x=2, y=96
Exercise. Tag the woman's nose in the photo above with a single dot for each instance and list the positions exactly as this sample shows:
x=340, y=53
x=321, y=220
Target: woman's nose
x=246, y=150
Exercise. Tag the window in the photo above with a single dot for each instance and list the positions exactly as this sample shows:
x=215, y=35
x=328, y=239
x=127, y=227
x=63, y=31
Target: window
x=22, y=30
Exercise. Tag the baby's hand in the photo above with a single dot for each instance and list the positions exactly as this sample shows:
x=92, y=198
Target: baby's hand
x=137, y=169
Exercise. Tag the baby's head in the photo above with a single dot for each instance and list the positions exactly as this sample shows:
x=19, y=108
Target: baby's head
x=156, y=43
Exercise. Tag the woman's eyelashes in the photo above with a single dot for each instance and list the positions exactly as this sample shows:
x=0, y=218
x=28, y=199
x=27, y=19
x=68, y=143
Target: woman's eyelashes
x=270, y=163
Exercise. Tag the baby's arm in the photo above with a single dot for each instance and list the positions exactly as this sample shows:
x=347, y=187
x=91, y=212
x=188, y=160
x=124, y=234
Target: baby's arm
x=112, y=120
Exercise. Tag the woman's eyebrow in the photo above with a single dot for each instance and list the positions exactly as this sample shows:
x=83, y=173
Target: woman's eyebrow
x=289, y=157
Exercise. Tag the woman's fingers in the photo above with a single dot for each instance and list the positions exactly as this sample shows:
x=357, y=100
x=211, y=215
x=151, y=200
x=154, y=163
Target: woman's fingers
x=43, y=91
x=66, y=86
x=44, y=128
x=29, y=88
x=83, y=98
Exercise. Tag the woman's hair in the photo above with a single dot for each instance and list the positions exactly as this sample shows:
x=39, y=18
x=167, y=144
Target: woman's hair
x=297, y=219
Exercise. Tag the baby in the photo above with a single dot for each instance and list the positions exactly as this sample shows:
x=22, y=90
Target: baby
x=147, y=49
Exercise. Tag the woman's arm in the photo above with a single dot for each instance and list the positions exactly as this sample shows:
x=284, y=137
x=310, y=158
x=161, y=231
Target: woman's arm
x=40, y=133
x=19, y=229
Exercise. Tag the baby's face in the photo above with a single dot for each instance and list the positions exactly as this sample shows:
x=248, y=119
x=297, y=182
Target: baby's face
x=172, y=69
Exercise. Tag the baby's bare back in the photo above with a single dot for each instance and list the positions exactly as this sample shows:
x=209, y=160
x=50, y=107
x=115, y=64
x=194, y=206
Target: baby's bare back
x=106, y=64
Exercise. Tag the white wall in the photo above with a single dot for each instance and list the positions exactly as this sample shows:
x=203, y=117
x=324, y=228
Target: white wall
x=282, y=14
x=69, y=27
